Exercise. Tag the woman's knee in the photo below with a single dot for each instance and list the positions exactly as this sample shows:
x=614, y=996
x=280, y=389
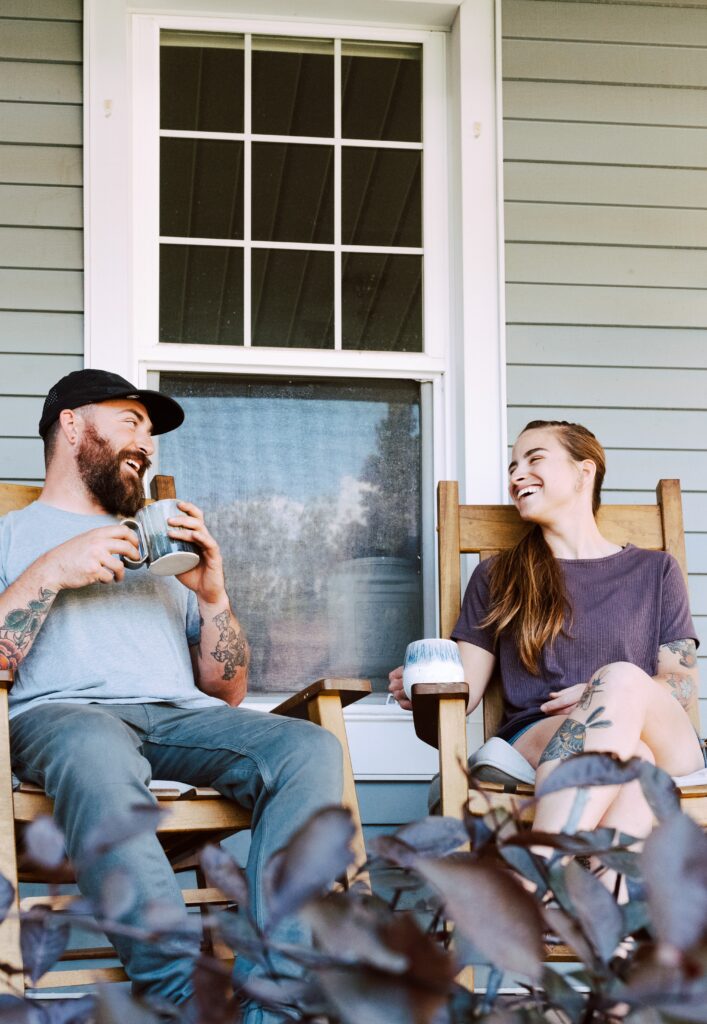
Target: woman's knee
x=625, y=679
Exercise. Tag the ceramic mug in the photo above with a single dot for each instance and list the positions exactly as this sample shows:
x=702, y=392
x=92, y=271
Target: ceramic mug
x=431, y=661
x=163, y=555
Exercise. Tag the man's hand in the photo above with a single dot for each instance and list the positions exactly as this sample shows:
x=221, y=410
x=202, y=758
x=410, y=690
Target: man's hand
x=92, y=557
x=395, y=685
x=206, y=579
x=561, y=702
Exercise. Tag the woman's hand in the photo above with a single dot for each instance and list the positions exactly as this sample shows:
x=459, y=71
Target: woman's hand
x=561, y=702
x=395, y=685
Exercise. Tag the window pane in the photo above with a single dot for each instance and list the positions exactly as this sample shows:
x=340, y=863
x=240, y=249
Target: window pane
x=201, y=188
x=382, y=302
x=292, y=298
x=201, y=294
x=381, y=94
x=381, y=200
x=312, y=489
x=201, y=87
x=293, y=193
x=293, y=87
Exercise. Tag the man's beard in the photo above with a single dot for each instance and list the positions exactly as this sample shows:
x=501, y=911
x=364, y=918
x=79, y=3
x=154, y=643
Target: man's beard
x=102, y=471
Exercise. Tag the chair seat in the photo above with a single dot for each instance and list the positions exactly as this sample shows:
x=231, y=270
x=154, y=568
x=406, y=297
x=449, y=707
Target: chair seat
x=498, y=762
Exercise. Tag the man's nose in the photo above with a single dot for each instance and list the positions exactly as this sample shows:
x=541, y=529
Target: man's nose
x=146, y=445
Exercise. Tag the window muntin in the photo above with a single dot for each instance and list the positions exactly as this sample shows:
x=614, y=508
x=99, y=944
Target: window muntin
x=312, y=488
x=301, y=182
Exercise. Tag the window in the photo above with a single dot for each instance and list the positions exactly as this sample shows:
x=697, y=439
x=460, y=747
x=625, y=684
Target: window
x=313, y=491
x=290, y=192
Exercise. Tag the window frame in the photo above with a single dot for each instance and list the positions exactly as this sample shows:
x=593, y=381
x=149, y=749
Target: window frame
x=464, y=366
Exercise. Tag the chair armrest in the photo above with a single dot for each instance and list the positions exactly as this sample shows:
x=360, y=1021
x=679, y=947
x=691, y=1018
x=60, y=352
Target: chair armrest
x=426, y=699
x=7, y=678
x=349, y=690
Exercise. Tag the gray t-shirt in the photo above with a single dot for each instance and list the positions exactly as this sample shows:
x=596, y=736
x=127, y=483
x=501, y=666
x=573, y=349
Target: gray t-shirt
x=625, y=606
x=119, y=643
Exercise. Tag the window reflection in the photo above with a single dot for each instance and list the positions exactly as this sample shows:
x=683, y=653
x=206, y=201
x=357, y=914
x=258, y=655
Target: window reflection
x=201, y=86
x=312, y=489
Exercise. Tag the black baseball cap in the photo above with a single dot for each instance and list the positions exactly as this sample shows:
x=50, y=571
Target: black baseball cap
x=86, y=387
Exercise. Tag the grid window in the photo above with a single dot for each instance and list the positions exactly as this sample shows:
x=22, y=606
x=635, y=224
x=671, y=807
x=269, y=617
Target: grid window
x=292, y=168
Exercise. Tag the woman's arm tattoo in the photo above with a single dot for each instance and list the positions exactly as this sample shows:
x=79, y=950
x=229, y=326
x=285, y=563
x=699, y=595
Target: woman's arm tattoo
x=232, y=648
x=687, y=649
x=21, y=626
x=682, y=689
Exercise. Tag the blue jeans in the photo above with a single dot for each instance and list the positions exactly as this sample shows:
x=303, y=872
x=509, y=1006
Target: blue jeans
x=95, y=761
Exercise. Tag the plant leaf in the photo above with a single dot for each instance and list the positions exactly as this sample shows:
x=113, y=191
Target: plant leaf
x=674, y=862
x=20, y=1011
x=571, y=934
x=433, y=836
x=140, y=818
x=118, y=895
x=239, y=932
x=117, y=1006
x=349, y=932
x=222, y=872
x=314, y=857
x=7, y=897
x=592, y=769
x=492, y=910
x=525, y=864
x=42, y=944
x=393, y=850
x=70, y=1011
x=660, y=791
x=597, y=910
x=213, y=995
x=44, y=842
x=563, y=995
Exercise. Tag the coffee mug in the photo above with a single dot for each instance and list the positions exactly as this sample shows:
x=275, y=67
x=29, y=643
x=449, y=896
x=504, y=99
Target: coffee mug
x=431, y=661
x=163, y=555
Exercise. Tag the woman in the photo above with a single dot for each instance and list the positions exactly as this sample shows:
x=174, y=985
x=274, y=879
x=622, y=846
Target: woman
x=595, y=641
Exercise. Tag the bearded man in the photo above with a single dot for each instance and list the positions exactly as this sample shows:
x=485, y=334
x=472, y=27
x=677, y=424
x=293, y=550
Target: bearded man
x=120, y=676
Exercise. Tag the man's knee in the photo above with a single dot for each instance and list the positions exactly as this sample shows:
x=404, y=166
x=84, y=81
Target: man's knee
x=93, y=747
x=311, y=751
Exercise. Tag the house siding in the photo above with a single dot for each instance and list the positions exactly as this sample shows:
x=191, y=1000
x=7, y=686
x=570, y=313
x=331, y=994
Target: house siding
x=41, y=241
x=605, y=150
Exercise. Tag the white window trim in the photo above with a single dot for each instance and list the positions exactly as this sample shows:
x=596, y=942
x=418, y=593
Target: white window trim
x=469, y=386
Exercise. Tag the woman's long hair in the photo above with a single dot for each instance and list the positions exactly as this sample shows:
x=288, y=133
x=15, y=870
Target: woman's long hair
x=526, y=584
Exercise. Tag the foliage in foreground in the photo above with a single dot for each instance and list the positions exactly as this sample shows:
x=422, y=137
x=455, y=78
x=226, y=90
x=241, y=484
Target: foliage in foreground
x=373, y=962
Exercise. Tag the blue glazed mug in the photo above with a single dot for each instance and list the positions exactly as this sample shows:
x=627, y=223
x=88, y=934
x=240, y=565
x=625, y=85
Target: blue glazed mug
x=163, y=555
x=431, y=661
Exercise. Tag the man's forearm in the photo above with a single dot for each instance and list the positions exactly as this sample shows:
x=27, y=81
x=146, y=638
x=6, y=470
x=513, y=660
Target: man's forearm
x=223, y=654
x=23, y=608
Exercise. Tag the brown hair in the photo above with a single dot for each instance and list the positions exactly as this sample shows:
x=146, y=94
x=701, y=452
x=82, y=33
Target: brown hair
x=526, y=584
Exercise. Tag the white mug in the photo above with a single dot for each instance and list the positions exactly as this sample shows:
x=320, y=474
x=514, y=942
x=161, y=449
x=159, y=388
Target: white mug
x=431, y=661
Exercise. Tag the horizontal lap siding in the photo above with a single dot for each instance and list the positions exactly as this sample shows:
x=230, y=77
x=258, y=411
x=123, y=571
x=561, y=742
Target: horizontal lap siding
x=41, y=238
x=605, y=150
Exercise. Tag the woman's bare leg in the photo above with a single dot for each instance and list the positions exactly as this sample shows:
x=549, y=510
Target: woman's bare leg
x=619, y=709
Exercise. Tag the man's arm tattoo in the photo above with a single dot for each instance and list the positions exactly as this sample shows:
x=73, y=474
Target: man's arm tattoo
x=21, y=626
x=570, y=737
x=687, y=649
x=231, y=648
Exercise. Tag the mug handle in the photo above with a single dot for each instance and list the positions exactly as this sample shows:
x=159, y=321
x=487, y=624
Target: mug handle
x=135, y=525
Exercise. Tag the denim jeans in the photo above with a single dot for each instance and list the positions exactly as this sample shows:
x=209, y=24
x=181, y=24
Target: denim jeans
x=95, y=761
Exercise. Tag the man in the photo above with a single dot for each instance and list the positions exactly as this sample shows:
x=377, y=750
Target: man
x=122, y=675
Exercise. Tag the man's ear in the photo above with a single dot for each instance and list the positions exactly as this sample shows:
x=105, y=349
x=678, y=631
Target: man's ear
x=69, y=425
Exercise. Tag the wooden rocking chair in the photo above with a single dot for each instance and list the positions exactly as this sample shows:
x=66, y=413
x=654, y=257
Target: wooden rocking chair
x=190, y=823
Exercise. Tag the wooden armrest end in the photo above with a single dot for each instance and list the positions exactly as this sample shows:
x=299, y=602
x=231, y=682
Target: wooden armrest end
x=7, y=678
x=426, y=698
x=349, y=690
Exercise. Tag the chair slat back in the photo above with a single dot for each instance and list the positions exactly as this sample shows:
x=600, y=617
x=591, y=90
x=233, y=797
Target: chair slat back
x=13, y=497
x=487, y=529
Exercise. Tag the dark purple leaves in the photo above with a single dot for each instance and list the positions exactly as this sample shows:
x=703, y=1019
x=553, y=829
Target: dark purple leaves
x=596, y=910
x=591, y=770
x=660, y=791
x=7, y=896
x=315, y=856
x=433, y=836
x=674, y=864
x=116, y=1006
x=222, y=872
x=44, y=843
x=42, y=944
x=493, y=911
x=141, y=818
x=118, y=895
x=349, y=932
x=17, y=1011
x=213, y=995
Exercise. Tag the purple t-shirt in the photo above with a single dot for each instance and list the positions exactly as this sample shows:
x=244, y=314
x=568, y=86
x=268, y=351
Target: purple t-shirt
x=625, y=606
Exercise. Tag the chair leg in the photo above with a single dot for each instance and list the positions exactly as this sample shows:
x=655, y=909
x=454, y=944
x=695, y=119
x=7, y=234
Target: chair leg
x=325, y=709
x=10, y=950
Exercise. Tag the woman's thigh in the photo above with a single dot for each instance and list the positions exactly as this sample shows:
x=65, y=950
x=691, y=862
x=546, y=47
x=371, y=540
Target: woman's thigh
x=534, y=740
